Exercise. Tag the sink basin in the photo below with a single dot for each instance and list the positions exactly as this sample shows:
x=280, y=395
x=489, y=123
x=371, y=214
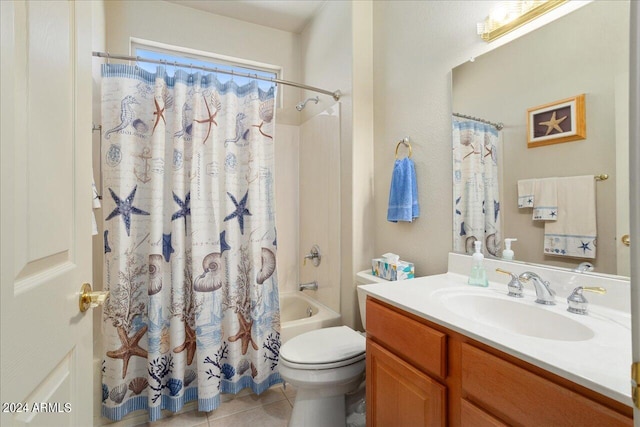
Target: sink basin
x=517, y=317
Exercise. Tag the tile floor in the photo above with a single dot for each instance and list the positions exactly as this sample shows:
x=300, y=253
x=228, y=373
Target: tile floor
x=271, y=409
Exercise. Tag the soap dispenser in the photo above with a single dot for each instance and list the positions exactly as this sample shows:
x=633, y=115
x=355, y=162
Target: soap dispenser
x=507, y=253
x=478, y=276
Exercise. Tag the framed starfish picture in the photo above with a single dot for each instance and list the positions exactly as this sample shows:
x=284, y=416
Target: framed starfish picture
x=556, y=122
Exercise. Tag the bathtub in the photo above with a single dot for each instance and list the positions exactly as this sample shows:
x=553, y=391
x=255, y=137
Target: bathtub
x=300, y=313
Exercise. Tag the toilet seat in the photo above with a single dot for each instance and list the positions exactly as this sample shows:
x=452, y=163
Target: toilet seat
x=325, y=348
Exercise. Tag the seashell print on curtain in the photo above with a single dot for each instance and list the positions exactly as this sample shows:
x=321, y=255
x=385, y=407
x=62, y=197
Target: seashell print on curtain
x=190, y=240
x=476, y=193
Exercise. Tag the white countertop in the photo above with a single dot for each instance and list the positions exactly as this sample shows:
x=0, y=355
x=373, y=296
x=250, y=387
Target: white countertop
x=601, y=363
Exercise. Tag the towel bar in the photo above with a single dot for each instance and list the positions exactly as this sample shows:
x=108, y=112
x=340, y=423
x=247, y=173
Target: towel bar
x=404, y=141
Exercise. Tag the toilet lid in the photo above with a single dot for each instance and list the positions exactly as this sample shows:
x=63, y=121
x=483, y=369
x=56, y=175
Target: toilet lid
x=322, y=346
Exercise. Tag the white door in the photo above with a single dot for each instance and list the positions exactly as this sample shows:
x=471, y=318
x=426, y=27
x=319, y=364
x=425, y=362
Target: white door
x=45, y=98
x=634, y=184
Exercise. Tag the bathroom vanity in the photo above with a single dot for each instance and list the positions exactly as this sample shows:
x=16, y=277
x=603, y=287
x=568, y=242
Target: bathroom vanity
x=442, y=353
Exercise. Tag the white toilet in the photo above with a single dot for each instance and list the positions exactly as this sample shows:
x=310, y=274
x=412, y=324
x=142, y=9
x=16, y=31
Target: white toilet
x=324, y=365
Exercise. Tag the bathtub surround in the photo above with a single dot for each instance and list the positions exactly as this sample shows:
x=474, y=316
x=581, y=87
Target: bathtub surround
x=193, y=309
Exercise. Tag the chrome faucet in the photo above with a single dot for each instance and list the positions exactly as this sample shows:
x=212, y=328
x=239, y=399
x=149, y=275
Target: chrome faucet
x=583, y=267
x=514, y=285
x=314, y=255
x=578, y=303
x=544, y=293
x=312, y=286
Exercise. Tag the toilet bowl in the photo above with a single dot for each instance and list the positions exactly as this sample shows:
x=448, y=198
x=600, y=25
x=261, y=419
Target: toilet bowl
x=324, y=365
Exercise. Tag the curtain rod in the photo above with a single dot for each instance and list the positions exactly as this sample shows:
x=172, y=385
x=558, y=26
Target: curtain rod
x=335, y=94
x=498, y=126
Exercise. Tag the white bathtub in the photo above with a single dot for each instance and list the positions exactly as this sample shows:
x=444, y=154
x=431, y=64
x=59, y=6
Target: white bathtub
x=295, y=308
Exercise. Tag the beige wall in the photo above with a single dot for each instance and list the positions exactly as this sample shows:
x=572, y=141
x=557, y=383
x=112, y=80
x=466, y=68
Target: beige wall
x=590, y=51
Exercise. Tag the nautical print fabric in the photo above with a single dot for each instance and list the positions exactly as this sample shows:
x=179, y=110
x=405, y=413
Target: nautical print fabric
x=476, y=195
x=189, y=240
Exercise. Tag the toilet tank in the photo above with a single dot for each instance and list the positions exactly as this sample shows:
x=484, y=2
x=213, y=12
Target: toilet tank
x=365, y=278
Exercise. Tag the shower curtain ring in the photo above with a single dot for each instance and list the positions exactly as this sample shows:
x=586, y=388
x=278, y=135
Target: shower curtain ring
x=108, y=57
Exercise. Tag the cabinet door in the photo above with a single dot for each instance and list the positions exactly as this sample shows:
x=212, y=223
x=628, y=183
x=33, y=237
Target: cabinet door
x=400, y=395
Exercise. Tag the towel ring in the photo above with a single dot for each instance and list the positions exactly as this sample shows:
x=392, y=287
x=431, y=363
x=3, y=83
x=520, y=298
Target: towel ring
x=404, y=141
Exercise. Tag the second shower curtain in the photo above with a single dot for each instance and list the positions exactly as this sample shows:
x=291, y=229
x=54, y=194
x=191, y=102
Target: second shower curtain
x=189, y=240
x=476, y=193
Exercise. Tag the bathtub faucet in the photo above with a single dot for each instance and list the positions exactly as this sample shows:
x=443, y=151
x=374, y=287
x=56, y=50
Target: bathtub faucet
x=311, y=286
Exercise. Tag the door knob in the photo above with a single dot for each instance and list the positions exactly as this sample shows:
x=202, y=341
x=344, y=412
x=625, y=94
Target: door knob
x=90, y=299
x=626, y=240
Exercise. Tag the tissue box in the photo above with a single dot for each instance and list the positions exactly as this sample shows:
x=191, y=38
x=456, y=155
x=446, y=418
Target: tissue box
x=400, y=270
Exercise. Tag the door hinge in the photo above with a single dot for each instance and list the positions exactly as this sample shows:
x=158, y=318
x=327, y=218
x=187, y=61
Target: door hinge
x=635, y=384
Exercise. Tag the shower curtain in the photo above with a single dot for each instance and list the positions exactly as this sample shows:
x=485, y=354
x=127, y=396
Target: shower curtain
x=476, y=194
x=189, y=240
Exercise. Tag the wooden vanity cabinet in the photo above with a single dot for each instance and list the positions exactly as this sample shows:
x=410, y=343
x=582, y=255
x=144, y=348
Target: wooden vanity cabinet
x=422, y=374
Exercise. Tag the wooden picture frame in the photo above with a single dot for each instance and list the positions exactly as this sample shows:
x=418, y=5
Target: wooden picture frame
x=556, y=122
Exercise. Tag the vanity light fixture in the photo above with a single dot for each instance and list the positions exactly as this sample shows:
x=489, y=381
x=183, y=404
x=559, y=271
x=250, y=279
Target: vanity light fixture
x=509, y=15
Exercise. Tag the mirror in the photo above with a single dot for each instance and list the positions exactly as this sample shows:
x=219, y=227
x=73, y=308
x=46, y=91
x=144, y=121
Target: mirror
x=586, y=51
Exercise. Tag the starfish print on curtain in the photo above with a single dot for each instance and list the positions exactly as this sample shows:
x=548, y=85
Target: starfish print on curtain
x=159, y=113
x=189, y=344
x=210, y=120
x=167, y=249
x=241, y=210
x=130, y=347
x=125, y=208
x=244, y=334
x=184, y=208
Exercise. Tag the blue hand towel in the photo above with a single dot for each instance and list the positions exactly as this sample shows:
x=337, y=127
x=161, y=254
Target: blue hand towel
x=403, y=195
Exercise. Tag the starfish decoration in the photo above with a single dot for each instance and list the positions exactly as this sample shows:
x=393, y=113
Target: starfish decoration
x=496, y=210
x=244, y=334
x=159, y=113
x=167, y=249
x=224, y=246
x=125, y=208
x=260, y=130
x=553, y=213
x=210, y=120
x=553, y=123
x=185, y=209
x=489, y=151
x=129, y=347
x=107, y=248
x=189, y=344
x=584, y=246
x=241, y=210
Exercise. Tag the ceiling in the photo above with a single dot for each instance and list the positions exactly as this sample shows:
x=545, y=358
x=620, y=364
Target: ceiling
x=286, y=15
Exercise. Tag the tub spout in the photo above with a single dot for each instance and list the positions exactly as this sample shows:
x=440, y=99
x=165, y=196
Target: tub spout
x=311, y=286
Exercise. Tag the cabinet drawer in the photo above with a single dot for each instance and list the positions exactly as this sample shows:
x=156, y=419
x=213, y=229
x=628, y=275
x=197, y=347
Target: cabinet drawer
x=413, y=341
x=523, y=398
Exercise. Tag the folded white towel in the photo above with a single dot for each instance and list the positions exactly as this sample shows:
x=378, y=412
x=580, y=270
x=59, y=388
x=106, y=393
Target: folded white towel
x=525, y=193
x=545, y=200
x=574, y=233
